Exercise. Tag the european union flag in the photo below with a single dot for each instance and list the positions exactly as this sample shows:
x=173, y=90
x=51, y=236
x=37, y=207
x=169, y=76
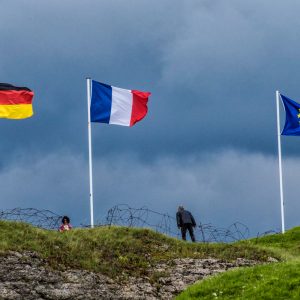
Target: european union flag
x=292, y=118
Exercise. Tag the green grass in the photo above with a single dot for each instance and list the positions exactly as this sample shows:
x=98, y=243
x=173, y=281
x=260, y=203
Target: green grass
x=272, y=281
x=114, y=251
x=286, y=245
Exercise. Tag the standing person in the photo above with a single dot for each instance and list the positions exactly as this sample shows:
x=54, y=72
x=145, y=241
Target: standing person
x=65, y=226
x=185, y=221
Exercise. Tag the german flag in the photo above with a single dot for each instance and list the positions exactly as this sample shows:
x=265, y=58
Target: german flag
x=15, y=102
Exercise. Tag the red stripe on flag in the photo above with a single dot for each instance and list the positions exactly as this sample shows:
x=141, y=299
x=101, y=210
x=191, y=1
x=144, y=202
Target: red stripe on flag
x=139, y=106
x=13, y=97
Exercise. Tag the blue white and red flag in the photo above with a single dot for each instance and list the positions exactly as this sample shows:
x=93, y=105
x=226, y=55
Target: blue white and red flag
x=113, y=105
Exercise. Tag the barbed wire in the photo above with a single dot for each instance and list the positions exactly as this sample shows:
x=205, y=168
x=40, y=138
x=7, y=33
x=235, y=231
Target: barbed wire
x=40, y=218
x=235, y=232
x=124, y=215
x=269, y=232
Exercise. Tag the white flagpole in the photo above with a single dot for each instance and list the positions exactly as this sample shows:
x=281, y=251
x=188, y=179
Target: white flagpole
x=88, y=85
x=280, y=163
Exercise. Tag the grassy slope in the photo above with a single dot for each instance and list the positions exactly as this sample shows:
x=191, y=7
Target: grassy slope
x=273, y=281
x=113, y=251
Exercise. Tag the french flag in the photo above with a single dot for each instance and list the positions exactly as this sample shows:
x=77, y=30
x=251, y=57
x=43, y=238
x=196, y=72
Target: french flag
x=113, y=105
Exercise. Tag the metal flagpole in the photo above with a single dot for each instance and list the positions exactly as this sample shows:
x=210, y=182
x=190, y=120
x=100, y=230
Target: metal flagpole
x=88, y=85
x=279, y=161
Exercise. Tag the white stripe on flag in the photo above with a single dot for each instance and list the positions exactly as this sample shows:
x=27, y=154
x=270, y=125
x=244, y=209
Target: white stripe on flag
x=121, y=106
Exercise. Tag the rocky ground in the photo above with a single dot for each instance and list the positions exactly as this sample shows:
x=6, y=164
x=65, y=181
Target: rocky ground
x=27, y=276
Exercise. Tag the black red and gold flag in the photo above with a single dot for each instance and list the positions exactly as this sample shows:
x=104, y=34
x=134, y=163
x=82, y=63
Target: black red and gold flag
x=15, y=102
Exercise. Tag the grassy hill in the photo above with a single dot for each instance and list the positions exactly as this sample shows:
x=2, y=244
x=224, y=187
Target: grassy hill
x=119, y=252
x=272, y=281
x=115, y=251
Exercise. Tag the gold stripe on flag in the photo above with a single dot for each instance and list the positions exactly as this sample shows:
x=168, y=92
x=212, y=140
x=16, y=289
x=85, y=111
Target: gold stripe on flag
x=19, y=111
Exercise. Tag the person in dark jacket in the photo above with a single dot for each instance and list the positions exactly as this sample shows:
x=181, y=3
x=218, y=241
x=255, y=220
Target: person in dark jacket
x=185, y=221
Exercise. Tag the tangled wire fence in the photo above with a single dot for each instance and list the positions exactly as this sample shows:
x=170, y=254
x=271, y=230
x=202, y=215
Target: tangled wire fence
x=143, y=217
x=40, y=218
x=124, y=215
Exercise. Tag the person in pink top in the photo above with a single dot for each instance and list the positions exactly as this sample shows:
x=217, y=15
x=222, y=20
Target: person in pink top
x=65, y=226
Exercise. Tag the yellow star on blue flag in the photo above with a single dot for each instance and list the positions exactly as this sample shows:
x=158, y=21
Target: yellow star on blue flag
x=292, y=118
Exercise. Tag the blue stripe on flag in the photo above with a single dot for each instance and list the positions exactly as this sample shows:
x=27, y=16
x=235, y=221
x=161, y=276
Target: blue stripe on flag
x=101, y=102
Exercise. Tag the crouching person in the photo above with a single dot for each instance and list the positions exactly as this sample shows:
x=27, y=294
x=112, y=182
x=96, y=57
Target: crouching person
x=65, y=226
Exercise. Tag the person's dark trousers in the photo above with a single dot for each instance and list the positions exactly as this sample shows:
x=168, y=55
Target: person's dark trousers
x=188, y=227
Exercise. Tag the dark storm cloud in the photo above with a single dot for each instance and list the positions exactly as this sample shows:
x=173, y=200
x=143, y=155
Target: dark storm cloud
x=221, y=189
x=212, y=67
x=228, y=60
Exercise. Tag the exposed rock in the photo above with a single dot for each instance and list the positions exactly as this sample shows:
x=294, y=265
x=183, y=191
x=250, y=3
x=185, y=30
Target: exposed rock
x=27, y=276
x=272, y=259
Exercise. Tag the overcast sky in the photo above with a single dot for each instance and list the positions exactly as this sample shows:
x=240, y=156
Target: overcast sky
x=209, y=141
